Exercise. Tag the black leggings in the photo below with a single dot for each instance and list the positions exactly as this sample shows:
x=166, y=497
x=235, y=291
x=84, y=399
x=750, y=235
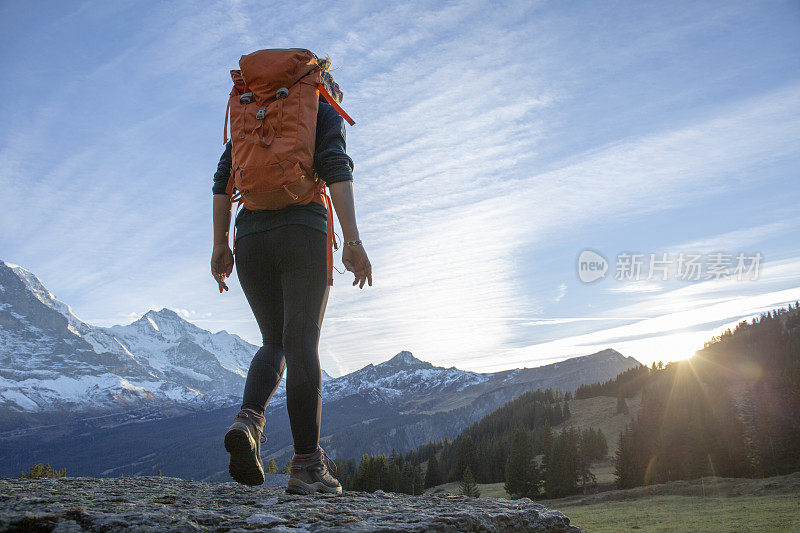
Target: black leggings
x=283, y=275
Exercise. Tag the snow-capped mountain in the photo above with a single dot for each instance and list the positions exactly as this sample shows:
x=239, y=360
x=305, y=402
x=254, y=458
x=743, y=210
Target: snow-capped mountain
x=401, y=377
x=50, y=360
x=418, y=386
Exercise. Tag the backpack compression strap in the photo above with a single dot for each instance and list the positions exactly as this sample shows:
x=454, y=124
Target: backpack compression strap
x=331, y=237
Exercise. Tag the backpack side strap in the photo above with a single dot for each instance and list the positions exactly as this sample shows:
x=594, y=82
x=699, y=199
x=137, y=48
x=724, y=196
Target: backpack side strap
x=227, y=114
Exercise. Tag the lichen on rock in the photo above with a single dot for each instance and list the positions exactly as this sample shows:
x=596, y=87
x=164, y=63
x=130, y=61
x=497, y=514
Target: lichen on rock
x=163, y=503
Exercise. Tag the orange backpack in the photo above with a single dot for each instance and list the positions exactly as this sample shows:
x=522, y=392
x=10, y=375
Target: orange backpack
x=273, y=116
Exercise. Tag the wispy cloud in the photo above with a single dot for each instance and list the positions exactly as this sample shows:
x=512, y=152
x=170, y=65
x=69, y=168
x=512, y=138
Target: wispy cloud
x=738, y=240
x=462, y=259
x=671, y=325
x=489, y=140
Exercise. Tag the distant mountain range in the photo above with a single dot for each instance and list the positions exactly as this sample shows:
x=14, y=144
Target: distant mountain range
x=140, y=392
x=50, y=360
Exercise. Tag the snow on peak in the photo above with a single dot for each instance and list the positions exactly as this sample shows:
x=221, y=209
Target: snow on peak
x=34, y=286
x=161, y=355
x=152, y=322
x=165, y=322
x=406, y=359
x=608, y=354
x=165, y=314
x=399, y=378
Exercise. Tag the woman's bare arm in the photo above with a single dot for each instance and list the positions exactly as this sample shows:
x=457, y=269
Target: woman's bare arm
x=343, y=201
x=354, y=258
x=221, y=256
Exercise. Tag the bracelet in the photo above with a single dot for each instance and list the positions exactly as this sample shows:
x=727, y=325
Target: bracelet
x=353, y=243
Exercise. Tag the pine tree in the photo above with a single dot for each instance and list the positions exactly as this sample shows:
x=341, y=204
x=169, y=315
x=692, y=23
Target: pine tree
x=288, y=468
x=622, y=405
x=417, y=481
x=464, y=455
x=468, y=485
x=522, y=477
x=562, y=465
x=625, y=461
x=406, y=481
x=40, y=470
x=399, y=474
x=547, y=444
x=432, y=475
x=372, y=474
x=592, y=446
x=488, y=439
x=272, y=467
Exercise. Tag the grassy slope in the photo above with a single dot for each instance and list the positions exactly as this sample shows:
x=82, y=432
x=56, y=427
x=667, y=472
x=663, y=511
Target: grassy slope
x=770, y=504
x=688, y=513
x=711, y=504
x=601, y=412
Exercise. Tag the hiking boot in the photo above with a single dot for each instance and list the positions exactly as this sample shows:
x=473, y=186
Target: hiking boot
x=310, y=474
x=243, y=441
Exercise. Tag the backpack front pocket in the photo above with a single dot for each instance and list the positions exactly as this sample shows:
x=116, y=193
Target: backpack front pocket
x=275, y=186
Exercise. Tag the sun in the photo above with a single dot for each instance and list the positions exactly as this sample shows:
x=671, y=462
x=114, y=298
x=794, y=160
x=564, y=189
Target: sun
x=665, y=348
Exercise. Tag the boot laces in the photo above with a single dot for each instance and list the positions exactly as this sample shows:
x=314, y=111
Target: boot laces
x=244, y=414
x=329, y=461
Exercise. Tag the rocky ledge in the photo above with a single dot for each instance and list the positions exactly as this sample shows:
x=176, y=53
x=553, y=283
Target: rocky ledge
x=171, y=504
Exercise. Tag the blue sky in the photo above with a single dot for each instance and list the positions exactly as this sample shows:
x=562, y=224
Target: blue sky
x=494, y=142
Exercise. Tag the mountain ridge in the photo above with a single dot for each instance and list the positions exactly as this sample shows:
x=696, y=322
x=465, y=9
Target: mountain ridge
x=162, y=357
x=50, y=360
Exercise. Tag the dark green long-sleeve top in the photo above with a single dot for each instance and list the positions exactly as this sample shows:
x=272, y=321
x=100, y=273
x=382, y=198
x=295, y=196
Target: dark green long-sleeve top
x=331, y=163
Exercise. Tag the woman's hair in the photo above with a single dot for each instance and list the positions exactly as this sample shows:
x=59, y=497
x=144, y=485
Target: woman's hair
x=325, y=63
x=327, y=78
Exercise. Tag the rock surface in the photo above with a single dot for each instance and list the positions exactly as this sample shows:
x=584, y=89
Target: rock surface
x=162, y=503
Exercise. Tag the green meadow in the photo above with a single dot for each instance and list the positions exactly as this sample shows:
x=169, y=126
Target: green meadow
x=778, y=512
x=710, y=504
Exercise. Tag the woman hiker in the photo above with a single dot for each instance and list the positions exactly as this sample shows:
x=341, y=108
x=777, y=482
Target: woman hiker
x=282, y=268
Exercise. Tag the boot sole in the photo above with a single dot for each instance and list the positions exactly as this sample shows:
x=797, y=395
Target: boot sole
x=244, y=467
x=299, y=487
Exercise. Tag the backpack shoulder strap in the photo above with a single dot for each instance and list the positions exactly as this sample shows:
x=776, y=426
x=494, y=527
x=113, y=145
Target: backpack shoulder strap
x=328, y=98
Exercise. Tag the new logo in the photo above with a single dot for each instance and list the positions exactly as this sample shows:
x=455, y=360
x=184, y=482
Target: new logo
x=591, y=266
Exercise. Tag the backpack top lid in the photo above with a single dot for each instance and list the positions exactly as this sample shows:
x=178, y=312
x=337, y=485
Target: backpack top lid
x=266, y=71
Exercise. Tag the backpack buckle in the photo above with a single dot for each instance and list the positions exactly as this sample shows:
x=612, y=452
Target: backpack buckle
x=261, y=113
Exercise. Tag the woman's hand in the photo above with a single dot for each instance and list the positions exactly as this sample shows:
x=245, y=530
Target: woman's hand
x=221, y=264
x=356, y=261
